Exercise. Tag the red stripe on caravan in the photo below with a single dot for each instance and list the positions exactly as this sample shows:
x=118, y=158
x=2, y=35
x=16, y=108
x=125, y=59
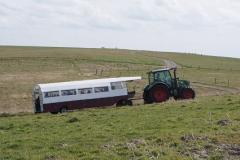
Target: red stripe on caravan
x=80, y=104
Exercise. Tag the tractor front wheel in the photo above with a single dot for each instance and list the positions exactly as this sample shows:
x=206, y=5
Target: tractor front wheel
x=188, y=93
x=159, y=93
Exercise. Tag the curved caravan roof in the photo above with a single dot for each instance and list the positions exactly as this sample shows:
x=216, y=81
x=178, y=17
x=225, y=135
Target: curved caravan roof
x=83, y=84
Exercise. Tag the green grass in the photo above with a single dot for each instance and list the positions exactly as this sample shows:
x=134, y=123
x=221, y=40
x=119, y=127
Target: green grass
x=201, y=61
x=173, y=130
x=207, y=127
x=23, y=67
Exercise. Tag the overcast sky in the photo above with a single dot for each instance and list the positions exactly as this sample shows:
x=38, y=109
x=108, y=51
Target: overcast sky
x=195, y=26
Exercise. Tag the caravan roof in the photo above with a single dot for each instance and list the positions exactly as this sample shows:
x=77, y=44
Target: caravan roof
x=83, y=84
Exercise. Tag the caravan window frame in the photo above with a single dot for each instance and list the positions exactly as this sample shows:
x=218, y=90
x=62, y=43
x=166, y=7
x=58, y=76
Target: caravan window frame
x=52, y=94
x=101, y=89
x=85, y=91
x=68, y=92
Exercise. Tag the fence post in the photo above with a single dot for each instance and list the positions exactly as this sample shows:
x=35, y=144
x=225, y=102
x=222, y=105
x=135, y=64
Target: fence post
x=96, y=72
x=215, y=80
x=228, y=83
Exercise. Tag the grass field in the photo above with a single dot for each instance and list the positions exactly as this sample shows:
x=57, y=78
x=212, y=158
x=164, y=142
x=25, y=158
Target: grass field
x=23, y=67
x=204, y=128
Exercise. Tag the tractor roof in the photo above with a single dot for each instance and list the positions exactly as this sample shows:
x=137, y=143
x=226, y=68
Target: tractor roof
x=160, y=70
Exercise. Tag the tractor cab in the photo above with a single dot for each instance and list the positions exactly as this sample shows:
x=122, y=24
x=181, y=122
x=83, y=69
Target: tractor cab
x=163, y=83
x=161, y=75
x=167, y=76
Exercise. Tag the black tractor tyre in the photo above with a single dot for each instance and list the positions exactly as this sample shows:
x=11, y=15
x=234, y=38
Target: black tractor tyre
x=187, y=93
x=159, y=93
x=147, y=99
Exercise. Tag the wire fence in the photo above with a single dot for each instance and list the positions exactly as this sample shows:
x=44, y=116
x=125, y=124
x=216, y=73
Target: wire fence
x=143, y=73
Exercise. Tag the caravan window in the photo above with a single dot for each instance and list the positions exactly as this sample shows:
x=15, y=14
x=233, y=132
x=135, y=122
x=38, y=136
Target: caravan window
x=51, y=94
x=68, y=92
x=101, y=89
x=85, y=91
x=116, y=85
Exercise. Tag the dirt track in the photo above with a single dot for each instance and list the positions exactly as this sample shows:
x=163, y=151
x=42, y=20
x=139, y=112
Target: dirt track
x=223, y=90
x=170, y=64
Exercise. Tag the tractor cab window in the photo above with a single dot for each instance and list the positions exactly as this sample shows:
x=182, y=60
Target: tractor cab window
x=163, y=76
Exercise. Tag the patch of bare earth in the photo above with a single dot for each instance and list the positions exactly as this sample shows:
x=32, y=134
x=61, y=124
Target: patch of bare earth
x=209, y=149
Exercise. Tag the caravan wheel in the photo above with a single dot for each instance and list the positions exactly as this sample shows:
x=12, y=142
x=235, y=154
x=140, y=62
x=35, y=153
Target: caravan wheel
x=63, y=110
x=122, y=103
x=129, y=103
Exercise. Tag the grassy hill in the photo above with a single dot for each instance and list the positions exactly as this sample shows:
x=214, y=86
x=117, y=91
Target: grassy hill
x=205, y=128
x=23, y=67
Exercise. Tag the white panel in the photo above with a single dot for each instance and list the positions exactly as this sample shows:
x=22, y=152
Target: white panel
x=111, y=93
x=84, y=84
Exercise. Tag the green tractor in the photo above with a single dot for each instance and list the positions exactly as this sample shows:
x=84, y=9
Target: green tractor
x=162, y=85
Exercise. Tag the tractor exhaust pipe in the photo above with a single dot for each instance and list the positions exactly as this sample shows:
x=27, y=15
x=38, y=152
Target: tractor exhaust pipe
x=175, y=76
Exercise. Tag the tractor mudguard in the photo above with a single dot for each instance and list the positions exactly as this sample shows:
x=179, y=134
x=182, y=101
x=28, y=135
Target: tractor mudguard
x=159, y=83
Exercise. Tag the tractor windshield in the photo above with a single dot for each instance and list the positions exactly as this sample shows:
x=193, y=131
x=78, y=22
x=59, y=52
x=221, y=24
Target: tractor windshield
x=163, y=76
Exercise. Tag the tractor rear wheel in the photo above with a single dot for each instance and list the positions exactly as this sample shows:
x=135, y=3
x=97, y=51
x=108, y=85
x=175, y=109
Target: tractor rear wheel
x=159, y=93
x=147, y=98
x=188, y=93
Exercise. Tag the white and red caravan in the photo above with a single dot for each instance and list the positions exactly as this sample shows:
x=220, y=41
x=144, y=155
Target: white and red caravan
x=59, y=97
